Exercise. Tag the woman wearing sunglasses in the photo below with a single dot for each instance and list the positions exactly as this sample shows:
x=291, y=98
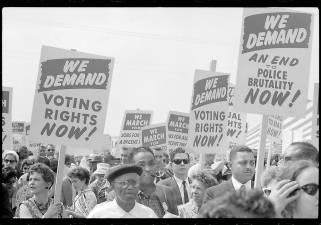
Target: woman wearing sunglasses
x=296, y=194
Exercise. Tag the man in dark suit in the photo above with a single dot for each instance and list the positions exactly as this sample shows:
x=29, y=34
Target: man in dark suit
x=242, y=164
x=179, y=183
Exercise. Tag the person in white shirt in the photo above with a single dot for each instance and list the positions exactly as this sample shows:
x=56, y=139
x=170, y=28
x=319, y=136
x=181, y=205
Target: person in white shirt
x=124, y=180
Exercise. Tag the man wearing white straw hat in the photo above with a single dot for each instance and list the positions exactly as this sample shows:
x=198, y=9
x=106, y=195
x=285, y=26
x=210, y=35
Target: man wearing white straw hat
x=100, y=173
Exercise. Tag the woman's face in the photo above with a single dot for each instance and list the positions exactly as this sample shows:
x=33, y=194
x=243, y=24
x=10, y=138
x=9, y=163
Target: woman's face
x=197, y=190
x=77, y=183
x=37, y=183
x=25, y=168
x=307, y=205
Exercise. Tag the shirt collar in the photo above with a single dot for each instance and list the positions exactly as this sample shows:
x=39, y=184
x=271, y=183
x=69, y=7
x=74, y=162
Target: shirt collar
x=134, y=212
x=237, y=185
x=179, y=181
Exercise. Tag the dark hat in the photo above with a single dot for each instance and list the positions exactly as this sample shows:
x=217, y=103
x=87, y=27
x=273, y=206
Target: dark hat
x=123, y=169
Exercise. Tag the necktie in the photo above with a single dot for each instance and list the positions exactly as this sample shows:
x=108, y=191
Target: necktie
x=242, y=188
x=185, y=192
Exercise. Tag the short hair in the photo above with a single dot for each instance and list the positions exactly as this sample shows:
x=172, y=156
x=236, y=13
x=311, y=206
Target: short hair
x=68, y=159
x=205, y=178
x=28, y=162
x=44, y=160
x=291, y=171
x=8, y=152
x=46, y=173
x=176, y=151
x=304, y=150
x=50, y=145
x=80, y=173
x=157, y=149
x=239, y=148
x=268, y=175
x=252, y=201
x=135, y=151
x=22, y=148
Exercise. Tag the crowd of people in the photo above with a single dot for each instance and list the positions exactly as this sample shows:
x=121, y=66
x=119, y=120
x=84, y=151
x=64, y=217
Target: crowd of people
x=149, y=183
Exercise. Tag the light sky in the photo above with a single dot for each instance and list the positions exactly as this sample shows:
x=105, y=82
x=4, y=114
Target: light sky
x=156, y=52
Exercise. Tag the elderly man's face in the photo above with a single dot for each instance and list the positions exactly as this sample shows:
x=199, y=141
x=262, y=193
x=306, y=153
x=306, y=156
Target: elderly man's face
x=10, y=161
x=126, y=187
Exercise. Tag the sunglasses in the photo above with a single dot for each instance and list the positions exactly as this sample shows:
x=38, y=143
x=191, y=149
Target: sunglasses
x=179, y=161
x=9, y=161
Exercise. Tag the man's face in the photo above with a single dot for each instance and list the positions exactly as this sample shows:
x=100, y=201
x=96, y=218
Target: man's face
x=159, y=157
x=126, y=187
x=243, y=166
x=147, y=162
x=180, y=164
x=42, y=151
x=50, y=151
x=124, y=156
x=10, y=161
x=23, y=153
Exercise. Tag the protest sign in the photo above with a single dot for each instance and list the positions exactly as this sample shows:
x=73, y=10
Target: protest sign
x=177, y=130
x=274, y=128
x=18, y=127
x=208, y=116
x=133, y=122
x=236, y=123
x=6, y=118
x=71, y=97
x=274, y=62
x=154, y=136
x=315, y=117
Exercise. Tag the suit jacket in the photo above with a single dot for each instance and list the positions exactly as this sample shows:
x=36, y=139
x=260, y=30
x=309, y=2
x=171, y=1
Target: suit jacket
x=171, y=182
x=167, y=194
x=218, y=190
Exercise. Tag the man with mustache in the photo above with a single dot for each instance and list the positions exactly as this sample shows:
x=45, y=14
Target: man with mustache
x=242, y=164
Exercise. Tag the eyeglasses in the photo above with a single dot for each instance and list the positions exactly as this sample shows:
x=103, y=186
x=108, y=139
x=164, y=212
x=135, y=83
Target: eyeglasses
x=179, y=161
x=9, y=161
x=310, y=189
x=266, y=191
x=126, y=183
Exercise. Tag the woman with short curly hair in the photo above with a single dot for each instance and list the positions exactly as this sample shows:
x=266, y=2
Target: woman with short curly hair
x=40, y=205
x=200, y=182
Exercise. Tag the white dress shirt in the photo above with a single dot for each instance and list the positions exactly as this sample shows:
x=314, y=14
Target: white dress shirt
x=112, y=210
x=181, y=187
x=237, y=185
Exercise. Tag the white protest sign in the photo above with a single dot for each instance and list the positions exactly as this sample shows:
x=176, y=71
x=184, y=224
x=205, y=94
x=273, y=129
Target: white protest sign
x=177, y=130
x=7, y=118
x=236, y=123
x=274, y=128
x=315, y=117
x=18, y=134
x=133, y=122
x=208, y=116
x=274, y=62
x=71, y=98
x=154, y=136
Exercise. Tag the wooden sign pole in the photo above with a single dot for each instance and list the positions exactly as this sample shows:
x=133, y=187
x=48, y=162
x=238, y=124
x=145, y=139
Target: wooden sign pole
x=268, y=160
x=202, y=155
x=261, y=153
x=60, y=173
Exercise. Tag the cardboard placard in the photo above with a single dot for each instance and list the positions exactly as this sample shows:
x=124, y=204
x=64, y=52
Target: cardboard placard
x=274, y=62
x=18, y=127
x=154, y=136
x=71, y=98
x=209, y=109
x=133, y=122
x=274, y=128
x=177, y=130
x=7, y=118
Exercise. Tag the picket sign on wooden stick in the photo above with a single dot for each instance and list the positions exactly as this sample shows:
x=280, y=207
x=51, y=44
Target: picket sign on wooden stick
x=202, y=155
x=60, y=173
x=261, y=153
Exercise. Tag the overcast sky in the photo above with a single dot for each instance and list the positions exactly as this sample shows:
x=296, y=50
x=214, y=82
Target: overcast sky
x=156, y=52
